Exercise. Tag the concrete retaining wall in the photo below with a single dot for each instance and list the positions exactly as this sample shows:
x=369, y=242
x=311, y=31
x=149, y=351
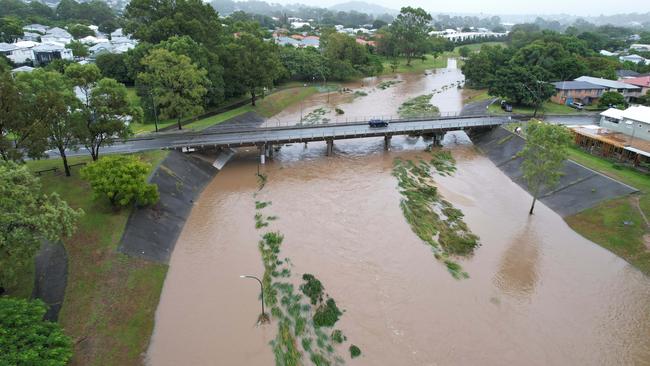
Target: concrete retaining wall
x=151, y=232
x=579, y=188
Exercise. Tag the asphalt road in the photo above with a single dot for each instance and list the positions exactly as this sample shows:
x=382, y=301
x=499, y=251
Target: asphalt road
x=253, y=135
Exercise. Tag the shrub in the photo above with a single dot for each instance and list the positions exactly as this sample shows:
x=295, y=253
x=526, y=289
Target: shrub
x=312, y=288
x=327, y=314
x=355, y=351
x=338, y=337
x=27, y=339
x=122, y=180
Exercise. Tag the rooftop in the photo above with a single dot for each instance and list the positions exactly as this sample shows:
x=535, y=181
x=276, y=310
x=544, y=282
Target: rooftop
x=642, y=81
x=613, y=138
x=6, y=47
x=607, y=83
x=576, y=85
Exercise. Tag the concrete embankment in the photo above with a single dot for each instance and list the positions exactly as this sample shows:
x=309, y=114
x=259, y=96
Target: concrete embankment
x=151, y=232
x=579, y=188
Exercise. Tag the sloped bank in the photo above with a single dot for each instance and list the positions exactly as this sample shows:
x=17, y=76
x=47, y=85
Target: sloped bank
x=579, y=188
x=151, y=232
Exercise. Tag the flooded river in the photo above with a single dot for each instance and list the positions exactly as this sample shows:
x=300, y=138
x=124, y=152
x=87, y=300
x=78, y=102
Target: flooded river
x=383, y=103
x=538, y=293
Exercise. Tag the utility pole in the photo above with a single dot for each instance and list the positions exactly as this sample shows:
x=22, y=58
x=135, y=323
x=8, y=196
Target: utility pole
x=155, y=113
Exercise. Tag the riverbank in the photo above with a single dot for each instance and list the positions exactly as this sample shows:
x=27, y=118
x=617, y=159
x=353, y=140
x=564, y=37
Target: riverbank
x=620, y=225
x=110, y=298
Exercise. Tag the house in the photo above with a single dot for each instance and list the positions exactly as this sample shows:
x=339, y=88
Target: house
x=607, y=53
x=624, y=74
x=640, y=47
x=19, y=52
x=117, y=33
x=634, y=121
x=45, y=53
x=569, y=92
x=628, y=90
x=37, y=28
x=22, y=69
x=640, y=81
x=57, y=35
x=309, y=41
x=298, y=25
x=634, y=58
x=30, y=36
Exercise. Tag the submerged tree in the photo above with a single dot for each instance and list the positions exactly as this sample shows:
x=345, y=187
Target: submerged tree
x=544, y=154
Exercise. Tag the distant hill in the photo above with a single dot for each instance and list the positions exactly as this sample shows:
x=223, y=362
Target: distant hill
x=363, y=7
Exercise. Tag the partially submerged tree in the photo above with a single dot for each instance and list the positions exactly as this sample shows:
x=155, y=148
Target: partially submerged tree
x=122, y=180
x=544, y=154
x=28, y=217
x=411, y=30
x=178, y=85
x=522, y=86
x=27, y=339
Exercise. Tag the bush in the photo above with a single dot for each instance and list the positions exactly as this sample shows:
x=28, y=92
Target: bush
x=122, y=180
x=27, y=339
x=355, y=351
x=327, y=314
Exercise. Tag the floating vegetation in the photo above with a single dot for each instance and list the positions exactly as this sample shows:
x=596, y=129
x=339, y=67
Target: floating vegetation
x=354, y=351
x=387, y=84
x=327, y=314
x=433, y=219
x=360, y=93
x=339, y=111
x=316, y=116
x=312, y=288
x=261, y=204
x=296, y=327
x=337, y=336
x=261, y=180
x=418, y=107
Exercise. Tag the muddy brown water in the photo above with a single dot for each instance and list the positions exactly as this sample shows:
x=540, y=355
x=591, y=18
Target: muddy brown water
x=380, y=103
x=539, y=293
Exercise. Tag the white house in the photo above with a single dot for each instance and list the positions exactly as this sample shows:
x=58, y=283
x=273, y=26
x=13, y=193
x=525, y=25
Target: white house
x=16, y=53
x=22, y=69
x=634, y=58
x=45, y=53
x=38, y=28
x=640, y=47
x=607, y=53
x=57, y=35
x=298, y=25
x=30, y=36
x=634, y=121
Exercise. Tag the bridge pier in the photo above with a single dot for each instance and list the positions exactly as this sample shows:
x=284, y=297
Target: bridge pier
x=437, y=138
x=387, y=139
x=262, y=150
x=330, y=147
x=269, y=151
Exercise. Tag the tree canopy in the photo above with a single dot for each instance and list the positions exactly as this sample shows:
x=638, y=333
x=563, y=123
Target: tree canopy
x=27, y=339
x=28, y=217
x=543, y=156
x=411, y=30
x=122, y=180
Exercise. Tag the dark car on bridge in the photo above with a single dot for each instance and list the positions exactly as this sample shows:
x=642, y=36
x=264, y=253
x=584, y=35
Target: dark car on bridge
x=377, y=123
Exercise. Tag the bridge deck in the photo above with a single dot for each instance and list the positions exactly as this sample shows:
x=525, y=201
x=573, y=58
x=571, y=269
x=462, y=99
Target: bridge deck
x=331, y=132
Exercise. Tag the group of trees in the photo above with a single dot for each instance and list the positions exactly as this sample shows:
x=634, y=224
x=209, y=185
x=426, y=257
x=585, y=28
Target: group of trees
x=408, y=36
x=95, y=12
x=41, y=112
x=523, y=71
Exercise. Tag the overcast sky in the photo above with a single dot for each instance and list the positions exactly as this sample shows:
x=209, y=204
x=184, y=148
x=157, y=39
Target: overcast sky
x=574, y=7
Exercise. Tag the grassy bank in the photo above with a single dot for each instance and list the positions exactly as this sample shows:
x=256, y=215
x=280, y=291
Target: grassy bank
x=617, y=224
x=417, y=65
x=110, y=299
x=547, y=108
x=475, y=47
x=475, y=95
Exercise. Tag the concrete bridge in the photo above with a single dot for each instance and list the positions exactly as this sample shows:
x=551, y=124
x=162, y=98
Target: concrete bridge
x=265, y=138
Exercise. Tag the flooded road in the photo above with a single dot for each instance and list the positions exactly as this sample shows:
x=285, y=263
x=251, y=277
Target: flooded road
x=379, y=103
x=538, y=293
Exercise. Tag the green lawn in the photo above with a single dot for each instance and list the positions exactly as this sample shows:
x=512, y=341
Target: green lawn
x=474, y=47
x=216, y=119
x=604, y=224
x=475, y=95
x=547, y=108
x=111, y=298
x=417, y=65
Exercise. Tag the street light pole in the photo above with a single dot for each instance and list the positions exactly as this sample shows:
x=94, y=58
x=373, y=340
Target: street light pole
x=263, y=316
